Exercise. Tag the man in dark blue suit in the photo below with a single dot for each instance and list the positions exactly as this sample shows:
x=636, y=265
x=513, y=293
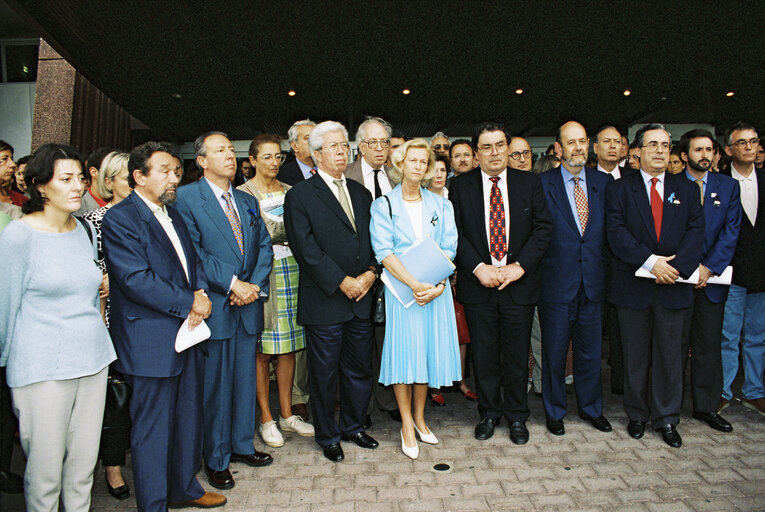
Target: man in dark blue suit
x=722, y=217
x=573, y=274
x=302, y=167
x=157, y=282
x=233, y=244
x=654, y=222
x=327, y=222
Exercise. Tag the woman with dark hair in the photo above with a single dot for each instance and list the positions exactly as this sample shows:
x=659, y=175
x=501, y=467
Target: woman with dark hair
x=282, y=336
x=53, y=342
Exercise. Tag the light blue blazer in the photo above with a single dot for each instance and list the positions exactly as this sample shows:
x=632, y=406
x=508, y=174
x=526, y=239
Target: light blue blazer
x=392, y=231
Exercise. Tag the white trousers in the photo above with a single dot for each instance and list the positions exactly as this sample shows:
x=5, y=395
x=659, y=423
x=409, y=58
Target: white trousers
x=60, y=429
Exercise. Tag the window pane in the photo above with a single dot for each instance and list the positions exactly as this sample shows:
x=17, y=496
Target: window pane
x=21, y=62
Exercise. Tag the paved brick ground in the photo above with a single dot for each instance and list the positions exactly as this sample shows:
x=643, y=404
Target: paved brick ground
x=583, y=470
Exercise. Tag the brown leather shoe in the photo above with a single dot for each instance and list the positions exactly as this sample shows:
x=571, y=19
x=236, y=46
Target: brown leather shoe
x=254, y=459
x=208, y=500
x=220, y=479
x=300, y=410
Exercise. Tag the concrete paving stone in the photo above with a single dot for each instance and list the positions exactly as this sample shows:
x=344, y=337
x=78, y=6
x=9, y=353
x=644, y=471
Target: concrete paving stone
x=361, y=494
x=547, y=461
x=393, y=466
x=752, y=473
x=440, y=491
x=373, y=506
x=539, y=473
x=753, y=460
x=465, y=504
x=723, y=451
x=748, y=503
x=494, y=475
x=272, y=498
x=284, y=484
x=456, y=478
x=342, y=481
x=606, y=499
x=714, y=476
x=613, y=468
x=675, y=506
x=556, y=447
x=565, y=485
x=581, y=457
x=397, y=493
x=312, y=496
x=417, y=478
x=490, y=489
x=505, y=462
x=750, y=488
x=373, y=480
x=719, y=489
x=644, y=479
x=527, y=487
x=429, y=505
x=677, y=492
x=511, y=502
x=677, y=477
x=637, y=495
x=552, y=500
x=346, y=506
x=709, y=504
x=573, y=471
x=348, y=467
x=633, y=507
x=270, y=508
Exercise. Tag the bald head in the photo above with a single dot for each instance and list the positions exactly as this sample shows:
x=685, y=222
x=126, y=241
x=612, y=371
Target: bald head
x=520, y=154
x=574, y=145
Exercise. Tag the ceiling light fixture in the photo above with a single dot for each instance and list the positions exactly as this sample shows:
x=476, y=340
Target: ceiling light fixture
x=519, y=91
x=405, y=92
x=291, y=93
x=627, y=92
x=729, y=93
x=176, y=95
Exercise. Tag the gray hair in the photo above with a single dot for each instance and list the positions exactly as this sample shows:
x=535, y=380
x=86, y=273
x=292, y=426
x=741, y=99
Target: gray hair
x=199, y=143
x=292, y=133
x=369, y=120
x=437, y=135
x=316, y=139
x=648, y=127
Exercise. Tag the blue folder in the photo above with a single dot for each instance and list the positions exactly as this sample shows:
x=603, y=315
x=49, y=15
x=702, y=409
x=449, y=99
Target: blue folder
x=425, y=260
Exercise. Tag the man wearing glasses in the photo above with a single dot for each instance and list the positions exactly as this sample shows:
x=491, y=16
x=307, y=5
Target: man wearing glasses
x=745, y=306
x=440, y=144
x=655, y=223
x=504, y=228
x=520, y=154
x=373, y=139
x=327, y=223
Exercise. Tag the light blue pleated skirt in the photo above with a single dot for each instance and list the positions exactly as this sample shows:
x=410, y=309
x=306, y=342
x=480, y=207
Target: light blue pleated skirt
x=421, y=344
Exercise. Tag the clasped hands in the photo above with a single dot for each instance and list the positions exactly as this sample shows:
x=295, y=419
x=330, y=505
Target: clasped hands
x=355, y=288
x=664, y=272
x=200, y=309
x=493, y=277
x=424, y=293
x=243, y=293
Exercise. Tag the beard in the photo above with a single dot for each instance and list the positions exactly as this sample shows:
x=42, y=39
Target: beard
x=702, y=165
x=575, y=160
x=167, y=197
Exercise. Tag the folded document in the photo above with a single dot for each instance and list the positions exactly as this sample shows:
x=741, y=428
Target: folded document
x=425, y=260
x=723, y=278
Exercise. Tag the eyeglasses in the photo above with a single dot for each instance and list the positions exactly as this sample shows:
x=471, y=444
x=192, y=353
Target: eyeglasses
x=654, y=146
x=333, y=147
x=439, y=147
x=744, y=143
x=372, y=143
x=270, y=158
x=516, y=155
x=487, y=148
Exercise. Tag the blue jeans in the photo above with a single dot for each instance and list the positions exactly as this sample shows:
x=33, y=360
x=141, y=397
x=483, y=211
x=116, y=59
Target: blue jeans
x=747, y=312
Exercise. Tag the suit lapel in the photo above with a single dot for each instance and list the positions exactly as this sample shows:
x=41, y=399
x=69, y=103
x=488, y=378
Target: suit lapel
x=670, y=208
x=158, y=232
x=247, y=223
x=594, y=203
x=559, y=197
x=478, y=214
x=214, y=211
x=328, y=198
x=640, y=196
x=400, y=216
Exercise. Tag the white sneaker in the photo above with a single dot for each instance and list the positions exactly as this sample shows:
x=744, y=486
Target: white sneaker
x=296, y=424
x=270, y=434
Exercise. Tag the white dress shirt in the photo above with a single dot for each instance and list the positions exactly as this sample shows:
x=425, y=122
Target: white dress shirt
x=616, y=173
x=653, y=258
x=502, y=184
x=329, y=180
x=369, y=178
x=749, y=195
x=160, y=212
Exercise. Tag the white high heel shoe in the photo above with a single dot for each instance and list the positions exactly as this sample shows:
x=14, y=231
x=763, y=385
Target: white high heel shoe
x=426, y=438
x=410, y=451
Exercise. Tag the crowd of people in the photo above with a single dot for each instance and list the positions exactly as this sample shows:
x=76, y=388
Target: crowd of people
x=146, y=305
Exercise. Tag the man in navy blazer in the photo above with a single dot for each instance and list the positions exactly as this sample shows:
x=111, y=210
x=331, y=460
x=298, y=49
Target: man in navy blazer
x=722, y=218
x=327, y=223
x=499, y=285
x=234, y=247
x=654, y=222
x=157, y=282
x=302, y=167
x=573, y=274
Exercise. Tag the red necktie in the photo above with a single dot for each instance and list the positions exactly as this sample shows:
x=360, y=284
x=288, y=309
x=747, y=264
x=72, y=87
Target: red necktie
x=657, y=207
x=497, y=230
x=313, y=171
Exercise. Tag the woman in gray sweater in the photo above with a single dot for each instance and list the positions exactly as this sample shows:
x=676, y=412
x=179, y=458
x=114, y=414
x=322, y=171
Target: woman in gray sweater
x=52, y=340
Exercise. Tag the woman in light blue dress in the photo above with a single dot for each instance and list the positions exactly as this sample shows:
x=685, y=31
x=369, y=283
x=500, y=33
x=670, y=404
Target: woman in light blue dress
x=421, y=347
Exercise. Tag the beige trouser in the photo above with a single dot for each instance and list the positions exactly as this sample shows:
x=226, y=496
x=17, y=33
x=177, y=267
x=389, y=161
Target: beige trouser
x=60, y=428
x=300, y=384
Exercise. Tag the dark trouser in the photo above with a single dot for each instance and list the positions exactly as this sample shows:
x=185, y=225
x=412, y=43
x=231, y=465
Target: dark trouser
x=652, y=339
x=382, y=395
x=166, y=439
x=339, y=351
x=581, y=322
x=115, y=434
x=7, y=424
x=615, y=354
x=702, y=334
x=500, y=333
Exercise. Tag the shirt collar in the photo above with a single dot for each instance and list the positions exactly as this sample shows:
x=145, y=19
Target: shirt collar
x=568, y=175
x=306, y=169
x=155, y=209
x=647, y=177
x=688, y=175
x=501, y=176
x=217, y=191
x=366, y=169
x=737, y=175
x=328, y=179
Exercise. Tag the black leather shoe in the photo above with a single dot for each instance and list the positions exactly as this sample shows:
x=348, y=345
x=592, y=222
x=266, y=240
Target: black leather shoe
x=519, y=434
x=600, y=423
x=367, y=422
x=714, y=420
x=255, y=459
x=393, y=413
x=636, y=428
x=220, y=479
x=121, y=493
x=556, y=427
x=334, y=452
x=363, y=439
x=485, y=429
x=670, y=436
x=11, y=483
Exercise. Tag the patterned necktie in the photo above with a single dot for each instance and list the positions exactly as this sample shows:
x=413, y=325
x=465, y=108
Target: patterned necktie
x=233, y=219
x=344, y=202
x=657, y=207
x=313, y=171
x=582, y=208
x=497, y=230
x=378, y=190
x=700, y=183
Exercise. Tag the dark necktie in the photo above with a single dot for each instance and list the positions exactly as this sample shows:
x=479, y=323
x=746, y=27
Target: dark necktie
x=497, y=230
x=378, y=190
x=657, y=208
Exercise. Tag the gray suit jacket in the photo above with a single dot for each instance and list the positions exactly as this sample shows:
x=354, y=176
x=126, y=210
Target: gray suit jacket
x=353, y=172
x=88, y=205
